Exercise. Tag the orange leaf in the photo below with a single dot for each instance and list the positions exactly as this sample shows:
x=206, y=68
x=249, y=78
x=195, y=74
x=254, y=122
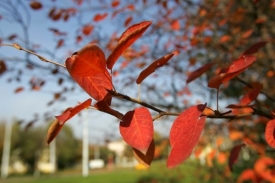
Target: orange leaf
x=234, y=154
x=100, y=17
x=88, y=61
x=35, y=5
x=145, y=159
x=175, y=25
x=185, y=133
x=53, y=130
x=197, y=73
x=151, y=68
x=19, y=89
x=126, y=39
x=127, y=21
x=136, y=129
x=270, y=133
x=70, y=112
x=262, y=168
x=246, y=175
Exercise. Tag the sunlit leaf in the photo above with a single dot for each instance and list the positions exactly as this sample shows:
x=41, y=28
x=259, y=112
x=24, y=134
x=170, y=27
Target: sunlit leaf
x=197, y=73
x=136, y=129
x=126, y=39
x=70, y=112
x=250, y=96
x=53, y=130
x=19, y=89
x=247, y=175
x=234, y=154
x=270, y=133
x=151, y=68
x=185, y=133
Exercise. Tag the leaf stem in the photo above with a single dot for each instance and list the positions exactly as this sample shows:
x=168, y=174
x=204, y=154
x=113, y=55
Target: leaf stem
x=17, y=46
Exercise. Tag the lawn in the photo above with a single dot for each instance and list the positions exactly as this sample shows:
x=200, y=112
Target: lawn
x=158, y=173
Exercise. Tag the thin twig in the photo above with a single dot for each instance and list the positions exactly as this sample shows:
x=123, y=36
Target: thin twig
x=17, y=46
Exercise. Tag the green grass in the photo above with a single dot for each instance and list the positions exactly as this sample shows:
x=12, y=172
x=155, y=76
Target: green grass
x=158, y=173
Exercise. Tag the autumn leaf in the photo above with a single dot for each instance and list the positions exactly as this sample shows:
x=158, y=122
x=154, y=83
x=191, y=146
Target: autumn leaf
x=3, y=67
x=115, y=3
x=126, y=39
x=136, y=129
x=185, y=133
x=88, y=68
x=53, y=130
x=87, y=29
x=270, y=133
x=234, y=154
x=246, y=175
x=151, y=68
x=88, y=61
x=250, y=96
x=235, y=68
x=70, y=112
x=18, y=90
x=145, y=159
x=35, y=5
x=104, y=106
x=253, y=49
x=264, y=168
x=60, y=43
x=198, y=72
x=100, y=17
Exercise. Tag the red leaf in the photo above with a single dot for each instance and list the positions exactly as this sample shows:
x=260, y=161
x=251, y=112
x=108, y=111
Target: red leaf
x=3, y=67
x=115, y=3
x=234, y=154
x=151, y=68
x=175, y=25
x=197, y=73
x=88, y=61
x=253, y=49
x=100, y=17
x=127, y=21
x=35, y=5
x=126, y=39
x=148, y=157
x=236, y=68
x=19, y=89
x=136, y=129
x=250, y=96
x=70, y=112
x=60, y=43
x=53, y=130
x=270, y=133
x=87, y=29
x=95, y=85
x=185, y=133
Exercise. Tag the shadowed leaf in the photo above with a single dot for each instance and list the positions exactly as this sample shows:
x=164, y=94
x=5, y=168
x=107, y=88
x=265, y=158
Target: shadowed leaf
x=253, y=49
x=185, y=133
x=136, y=129
x=234, y=154
x=126, y=39
x=151, y=68
x=145, y=159
x=197, y=73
